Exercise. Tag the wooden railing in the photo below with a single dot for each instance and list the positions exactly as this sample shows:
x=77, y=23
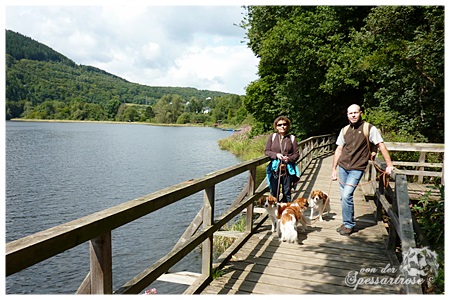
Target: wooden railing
x=98, y=228
x=422, y=163
x=396, y=203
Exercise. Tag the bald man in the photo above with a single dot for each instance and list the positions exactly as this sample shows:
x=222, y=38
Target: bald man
x=350, y=160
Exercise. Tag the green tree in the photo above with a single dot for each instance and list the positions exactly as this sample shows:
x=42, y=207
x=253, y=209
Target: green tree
x=111, y=108
x=315, y=61
x=168, y=108
x=404, y=51
x=130, y=114
x=296, y=46
x=184, y=118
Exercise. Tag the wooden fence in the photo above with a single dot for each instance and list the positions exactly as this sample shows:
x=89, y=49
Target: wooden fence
x=98, y=228
x=421, y=165
x=396, y=203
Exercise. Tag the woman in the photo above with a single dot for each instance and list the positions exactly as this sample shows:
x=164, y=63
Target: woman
x=282, y=148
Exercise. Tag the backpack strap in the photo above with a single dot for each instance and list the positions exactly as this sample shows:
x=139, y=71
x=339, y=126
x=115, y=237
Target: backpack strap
x=366, y=129
x=345, y=129
x=372, y=147
x=292, y=138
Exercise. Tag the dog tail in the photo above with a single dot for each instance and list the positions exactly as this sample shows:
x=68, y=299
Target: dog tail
x=290, y=231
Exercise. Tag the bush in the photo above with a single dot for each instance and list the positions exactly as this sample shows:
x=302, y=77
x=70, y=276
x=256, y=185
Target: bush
x=430, y=216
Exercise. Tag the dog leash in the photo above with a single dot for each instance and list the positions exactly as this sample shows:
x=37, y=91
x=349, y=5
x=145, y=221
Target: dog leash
x=382, y=174
x=279, y=180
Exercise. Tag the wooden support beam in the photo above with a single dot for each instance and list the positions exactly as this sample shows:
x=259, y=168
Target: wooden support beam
x=101, y=264
x=251, y=192
x=208, y=220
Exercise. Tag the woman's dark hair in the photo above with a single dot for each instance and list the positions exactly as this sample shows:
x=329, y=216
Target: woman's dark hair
x=282, y=118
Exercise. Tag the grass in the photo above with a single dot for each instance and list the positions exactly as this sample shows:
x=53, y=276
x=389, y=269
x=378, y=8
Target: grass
x=241, y=145
x=221, y=243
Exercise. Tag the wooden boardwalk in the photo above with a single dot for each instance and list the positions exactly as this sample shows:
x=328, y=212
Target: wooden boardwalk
x=323, y=261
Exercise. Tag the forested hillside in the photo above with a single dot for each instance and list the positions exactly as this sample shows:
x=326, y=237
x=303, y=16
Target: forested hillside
x=317, y=60
x=44, y=84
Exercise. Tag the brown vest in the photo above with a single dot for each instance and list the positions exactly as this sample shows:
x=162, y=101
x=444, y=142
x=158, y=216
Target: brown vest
x=355, y=153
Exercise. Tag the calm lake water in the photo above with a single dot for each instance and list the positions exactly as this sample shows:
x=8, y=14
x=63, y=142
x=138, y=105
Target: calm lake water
x=58, y=172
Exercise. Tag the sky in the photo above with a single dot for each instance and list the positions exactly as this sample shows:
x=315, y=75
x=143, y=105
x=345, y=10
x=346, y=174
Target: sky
x=197, y=46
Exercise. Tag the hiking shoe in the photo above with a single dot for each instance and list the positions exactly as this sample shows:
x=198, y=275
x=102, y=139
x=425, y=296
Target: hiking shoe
x=339, y=229
x=346, y=231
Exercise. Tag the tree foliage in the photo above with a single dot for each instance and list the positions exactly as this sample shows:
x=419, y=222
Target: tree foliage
x=316, y=61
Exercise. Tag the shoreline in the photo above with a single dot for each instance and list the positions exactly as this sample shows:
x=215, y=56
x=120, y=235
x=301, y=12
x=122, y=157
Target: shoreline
x=224, y=128
x=105, y=122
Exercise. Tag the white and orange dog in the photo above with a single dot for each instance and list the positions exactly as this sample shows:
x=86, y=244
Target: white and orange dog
x=270, y=204
x=289, y=215
x=319, y=201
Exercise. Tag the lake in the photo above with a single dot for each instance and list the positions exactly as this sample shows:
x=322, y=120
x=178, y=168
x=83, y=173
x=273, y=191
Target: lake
x=58, y=172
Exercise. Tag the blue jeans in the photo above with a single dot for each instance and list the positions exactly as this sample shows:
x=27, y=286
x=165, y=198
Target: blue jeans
x=285, y=183
x=351, y=179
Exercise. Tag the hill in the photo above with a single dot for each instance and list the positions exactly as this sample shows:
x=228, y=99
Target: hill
x=36, y=74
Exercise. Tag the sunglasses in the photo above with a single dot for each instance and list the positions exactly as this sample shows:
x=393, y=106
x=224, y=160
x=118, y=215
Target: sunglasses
x=282, y=124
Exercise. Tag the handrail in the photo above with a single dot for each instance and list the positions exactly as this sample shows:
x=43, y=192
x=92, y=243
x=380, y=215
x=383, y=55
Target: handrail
x=423, y=148
x=97, y=227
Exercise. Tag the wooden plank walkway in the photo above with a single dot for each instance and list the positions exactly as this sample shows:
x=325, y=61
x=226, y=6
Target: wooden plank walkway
x=321, y=261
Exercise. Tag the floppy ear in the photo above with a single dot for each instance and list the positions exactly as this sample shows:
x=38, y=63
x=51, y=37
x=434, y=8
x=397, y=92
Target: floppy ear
x=280, y=208
x=305, y=202
x=262, y=200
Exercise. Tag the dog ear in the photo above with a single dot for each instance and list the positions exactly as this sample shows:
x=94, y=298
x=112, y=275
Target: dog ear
x=262, y=200
x=280, y=208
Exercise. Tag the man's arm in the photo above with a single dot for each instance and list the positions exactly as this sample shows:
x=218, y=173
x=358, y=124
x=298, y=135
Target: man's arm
x=387, y=158
x=337, y=155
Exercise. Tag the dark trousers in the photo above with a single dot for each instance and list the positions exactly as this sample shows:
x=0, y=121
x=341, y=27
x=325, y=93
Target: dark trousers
x=285, y=184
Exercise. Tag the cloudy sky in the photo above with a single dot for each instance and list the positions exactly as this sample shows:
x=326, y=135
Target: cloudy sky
x=196, y=46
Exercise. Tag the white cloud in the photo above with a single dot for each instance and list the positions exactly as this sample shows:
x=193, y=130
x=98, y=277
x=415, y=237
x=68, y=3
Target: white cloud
x=195, y=46
x=215, y=67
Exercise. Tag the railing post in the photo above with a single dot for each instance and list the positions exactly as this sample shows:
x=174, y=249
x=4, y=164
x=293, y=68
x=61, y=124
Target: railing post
x=101, y=264
x=251, y=191
x=392, y=238
x=421, y=160
x=208, y=219
x=379, y=205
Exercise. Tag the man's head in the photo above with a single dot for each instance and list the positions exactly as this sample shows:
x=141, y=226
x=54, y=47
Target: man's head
x=354, y=113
